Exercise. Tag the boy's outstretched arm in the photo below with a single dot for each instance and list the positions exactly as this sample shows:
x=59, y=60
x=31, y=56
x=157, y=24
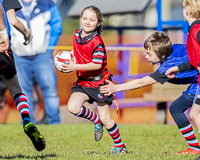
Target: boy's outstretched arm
x=19, y=26
x=131, y=85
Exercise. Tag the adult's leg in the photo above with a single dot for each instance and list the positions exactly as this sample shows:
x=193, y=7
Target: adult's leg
x=46, y=77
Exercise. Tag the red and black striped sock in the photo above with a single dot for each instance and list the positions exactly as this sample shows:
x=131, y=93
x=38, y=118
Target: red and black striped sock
x=188, y=133
x=88, y=114
x=114, y=133
x=21, y=102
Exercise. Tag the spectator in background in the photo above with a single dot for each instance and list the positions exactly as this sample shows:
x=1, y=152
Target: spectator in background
x=45, y=22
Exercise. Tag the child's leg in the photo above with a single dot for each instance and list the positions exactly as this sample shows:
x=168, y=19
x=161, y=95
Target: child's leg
x=195, y=115
x=111, y=126
x=195, y=110
x=177, y=109
x=21, y=102
x=75, y=106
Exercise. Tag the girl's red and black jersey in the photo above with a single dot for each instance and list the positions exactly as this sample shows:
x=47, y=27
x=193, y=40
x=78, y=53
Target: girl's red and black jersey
x=193, y=45
x=86, y=50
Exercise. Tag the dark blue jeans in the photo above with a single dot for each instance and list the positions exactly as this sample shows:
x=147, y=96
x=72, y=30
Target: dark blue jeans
x=179, y=106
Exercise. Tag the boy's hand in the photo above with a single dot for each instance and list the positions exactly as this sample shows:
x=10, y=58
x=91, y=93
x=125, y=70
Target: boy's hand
x=28, y=37
x=171, y=72
x=108, y=89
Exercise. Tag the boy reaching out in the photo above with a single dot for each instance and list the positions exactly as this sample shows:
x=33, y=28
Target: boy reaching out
x=191, y=13
x=159, y=49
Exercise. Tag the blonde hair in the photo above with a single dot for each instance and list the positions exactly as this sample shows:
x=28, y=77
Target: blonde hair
x=193, y=8
x=160, y=43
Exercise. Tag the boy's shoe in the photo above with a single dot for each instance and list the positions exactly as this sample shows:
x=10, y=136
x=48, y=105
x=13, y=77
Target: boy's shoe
x=189, y=151
x=98, y=131
x=118, y=150
x=37, y=139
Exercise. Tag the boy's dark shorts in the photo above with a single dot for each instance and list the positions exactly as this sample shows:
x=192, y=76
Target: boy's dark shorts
x=93, y=93
x=7, y=65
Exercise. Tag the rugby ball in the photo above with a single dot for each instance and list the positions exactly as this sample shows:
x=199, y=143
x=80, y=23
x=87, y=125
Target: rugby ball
x=63, y=57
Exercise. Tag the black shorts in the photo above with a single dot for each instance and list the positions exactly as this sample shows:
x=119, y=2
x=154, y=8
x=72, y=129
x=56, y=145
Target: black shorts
x=7, y=65
x=93, y=93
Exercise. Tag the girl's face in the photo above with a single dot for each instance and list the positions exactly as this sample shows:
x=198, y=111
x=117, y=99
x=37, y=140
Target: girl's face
x=89, y=21
x=151, y=57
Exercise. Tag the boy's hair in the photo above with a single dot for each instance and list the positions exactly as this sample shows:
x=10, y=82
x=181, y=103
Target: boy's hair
x=193, y=8
x=99, y=17
x=160, y=43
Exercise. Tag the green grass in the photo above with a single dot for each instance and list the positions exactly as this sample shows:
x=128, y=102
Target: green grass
x=76, y=142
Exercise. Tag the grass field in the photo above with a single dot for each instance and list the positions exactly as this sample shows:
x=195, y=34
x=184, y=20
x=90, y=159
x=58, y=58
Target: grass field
x=76, y=142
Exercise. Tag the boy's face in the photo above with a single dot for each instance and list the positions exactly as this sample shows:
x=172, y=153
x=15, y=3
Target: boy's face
x=151, y=56
x=185, y=14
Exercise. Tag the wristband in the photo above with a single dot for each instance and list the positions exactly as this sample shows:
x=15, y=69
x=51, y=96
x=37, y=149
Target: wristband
x=197, y=101
x=3, y=35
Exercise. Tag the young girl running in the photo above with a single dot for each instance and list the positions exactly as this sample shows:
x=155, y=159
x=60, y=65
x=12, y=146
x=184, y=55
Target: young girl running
x=91, y=66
